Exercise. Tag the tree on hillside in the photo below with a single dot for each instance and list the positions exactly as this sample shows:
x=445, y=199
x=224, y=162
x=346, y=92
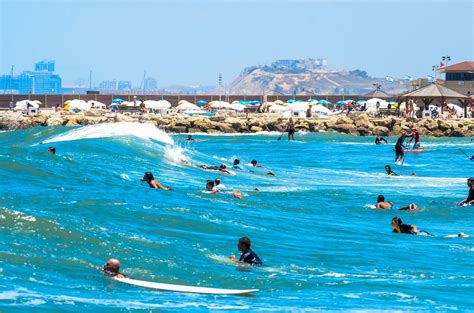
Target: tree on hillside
x=359, y=73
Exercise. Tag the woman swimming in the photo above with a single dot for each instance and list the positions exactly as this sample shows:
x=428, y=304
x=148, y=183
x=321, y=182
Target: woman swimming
x=387, y=205
x=153, y=183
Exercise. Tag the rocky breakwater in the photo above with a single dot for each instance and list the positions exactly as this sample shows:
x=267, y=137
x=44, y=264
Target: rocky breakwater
x=357, y=124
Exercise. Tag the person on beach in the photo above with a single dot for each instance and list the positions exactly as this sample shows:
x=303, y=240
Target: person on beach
x=52, y=150
x=390, y=172
x=470, y=196
x=399, y=227
x=290, y=128
x=153, y=183
x=112, y=269
x=248, y=256
x=415, y=135
x=308, y=112
x=190, y=138
x=400, y=147
x=382, y=204
x=380, y=140
x=255, y=164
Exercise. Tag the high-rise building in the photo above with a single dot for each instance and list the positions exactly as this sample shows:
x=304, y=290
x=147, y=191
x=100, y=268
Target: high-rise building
x=108, y=85
x=124, y=85
x=40, y=81
x=150, y=83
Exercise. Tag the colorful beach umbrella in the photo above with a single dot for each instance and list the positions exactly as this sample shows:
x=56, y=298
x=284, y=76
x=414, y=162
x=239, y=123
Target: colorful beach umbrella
x=341, y=102
x=201, y=102
x=324, y=102
x=117, y=100
x=361, y=101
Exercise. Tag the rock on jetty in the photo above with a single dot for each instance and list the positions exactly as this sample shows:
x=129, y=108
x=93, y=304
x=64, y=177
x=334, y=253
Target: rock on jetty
x=357, y=124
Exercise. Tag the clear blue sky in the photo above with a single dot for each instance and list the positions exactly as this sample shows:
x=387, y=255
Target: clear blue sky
x=191, y=42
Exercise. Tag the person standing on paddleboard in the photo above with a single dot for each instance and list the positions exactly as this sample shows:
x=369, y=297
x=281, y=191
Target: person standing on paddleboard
x=415, y=135
x=470, y=197
x=248, y=256
x=399, y=147
x=291, y=129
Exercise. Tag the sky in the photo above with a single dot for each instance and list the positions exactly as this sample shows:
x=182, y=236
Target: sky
x=191, y=42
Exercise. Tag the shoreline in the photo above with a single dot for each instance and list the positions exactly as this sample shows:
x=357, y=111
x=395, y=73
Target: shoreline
x=356, y=123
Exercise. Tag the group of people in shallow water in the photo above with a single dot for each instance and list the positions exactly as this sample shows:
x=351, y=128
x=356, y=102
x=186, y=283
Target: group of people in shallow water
x=401, y=144
x=248, y=257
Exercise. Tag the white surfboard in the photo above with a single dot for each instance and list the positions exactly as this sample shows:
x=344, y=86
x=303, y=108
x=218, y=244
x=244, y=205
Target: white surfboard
x=182, y=288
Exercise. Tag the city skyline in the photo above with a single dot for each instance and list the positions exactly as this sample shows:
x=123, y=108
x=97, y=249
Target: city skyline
x=191, y=42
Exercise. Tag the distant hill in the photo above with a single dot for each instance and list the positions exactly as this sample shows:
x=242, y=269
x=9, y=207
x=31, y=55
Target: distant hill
x=286, y=79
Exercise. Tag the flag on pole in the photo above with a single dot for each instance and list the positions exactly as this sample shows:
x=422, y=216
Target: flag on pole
x=441, y=64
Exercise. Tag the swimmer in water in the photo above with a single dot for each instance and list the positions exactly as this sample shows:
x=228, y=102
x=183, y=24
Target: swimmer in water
x=52, y=150
x=390, y=172
x=399, y=227
x=236, y=165
x=387, y=205
x=255, y=164
x=470, y=196
x=237, y=194
x=190, y=138
x=210, y=187
x=218, y=185
x=221, y=168
x=153, y=183
x=112, y=269
x=460, y=235
x=248, y=256
x=380, y=140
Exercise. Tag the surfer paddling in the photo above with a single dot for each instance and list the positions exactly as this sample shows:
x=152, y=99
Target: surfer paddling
x=388, y=205
x=153, y=183
x=399, y=227
x=52, y=150
x=255, y=164
x=248, y=256
x=112, y=269
x=390, y=172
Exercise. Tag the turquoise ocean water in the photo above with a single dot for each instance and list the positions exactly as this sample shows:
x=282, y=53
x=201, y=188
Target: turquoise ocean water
x=323, y=247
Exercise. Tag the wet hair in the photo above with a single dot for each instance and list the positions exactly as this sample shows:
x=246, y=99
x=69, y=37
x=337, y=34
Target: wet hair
x=380, y=198
x=52, y=150
x=222, y=167
x=254, y=162
x=148, y=177
x=388, y=167
x=245, y=241
x=236, y=161
x=398, y=221
x=209, y=184
x=217, y=181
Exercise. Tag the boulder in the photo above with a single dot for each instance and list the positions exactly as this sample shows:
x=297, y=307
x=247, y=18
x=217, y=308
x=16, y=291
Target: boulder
x=361, y=120
x=444, y=125
x=55, y=121
x=364, y=131
x=380, y=131
x=255, y=129
x=346, y=128
x=344, y=120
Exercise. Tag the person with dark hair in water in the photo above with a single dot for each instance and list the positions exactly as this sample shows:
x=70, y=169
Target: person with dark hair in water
x=210, y=187
x=255, y=164
x=236, y=165
x=112, y=269
x=248, y=256
x=390, y=172
x=380, y=140
x=52, y=150
x=221, y=168
x=415, y=135
x=381, y=204
x=190, y=138
x=153, y=183
x=470, y=196
x=399, y=227
x=290, y=128
x=400, y=147
x=218, y=185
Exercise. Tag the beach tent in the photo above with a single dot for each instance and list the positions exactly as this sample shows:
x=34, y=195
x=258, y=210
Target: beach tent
x=320, y=109
x=371, y=105
x=97, y=104
x=186, y=106
x=23, y=105
x=276, y=108
x=156, y=104
x=77, y=104
x=237, y=107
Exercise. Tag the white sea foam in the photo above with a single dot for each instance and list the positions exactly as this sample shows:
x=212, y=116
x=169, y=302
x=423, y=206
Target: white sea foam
x=124, y=129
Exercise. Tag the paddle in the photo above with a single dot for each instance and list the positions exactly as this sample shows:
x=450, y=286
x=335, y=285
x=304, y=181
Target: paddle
x=279, y=138
x=470, y=158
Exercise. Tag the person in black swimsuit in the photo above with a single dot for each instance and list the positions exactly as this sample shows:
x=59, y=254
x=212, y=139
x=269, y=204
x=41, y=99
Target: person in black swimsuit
x=401, y=228
x=400, y=147
x=470, y=197
x=291, y=129
x=380, y=140
x=248, y=256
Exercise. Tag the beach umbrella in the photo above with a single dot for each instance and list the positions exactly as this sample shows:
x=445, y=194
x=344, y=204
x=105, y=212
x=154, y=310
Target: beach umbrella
x=23, y=105
x=67, y=102
x=77, y=104
x=157, y=105
x=220, y=105
x=320, y=109
x=236, y=102
x=201, y=102
x=324, y=102
x=117, y=100
x=237, y=107
x=97, y=104
x=298, y=106
x=186, y=106
x=37, y=101
x=348, y=100
x=183, y=101
x=361, y=101
x=341, y=102
x=371, y=105
x=279, y=102
x=277, y=108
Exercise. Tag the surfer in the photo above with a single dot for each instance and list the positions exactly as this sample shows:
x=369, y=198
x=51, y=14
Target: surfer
x=190, y=138
x=248, y=256
x=416, y=136
x=236, y=165
x=52, y=150
x=399, y=147
x=290, y=128
x=399, y=227
x=470, y=197
x=388, y=205
x=460, y=235
x=210, y=187
x=153, y=183
x=255, y=164
x=390, y=172
x=112, y=269
x=218, y=185
x=380, y=140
